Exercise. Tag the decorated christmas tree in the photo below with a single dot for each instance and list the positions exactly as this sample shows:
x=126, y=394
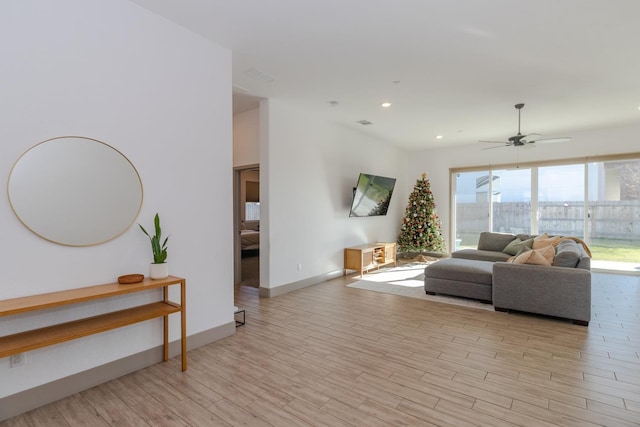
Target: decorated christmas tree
x=421, y=230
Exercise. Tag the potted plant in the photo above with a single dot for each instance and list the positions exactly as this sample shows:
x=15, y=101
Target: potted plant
x=159, y=268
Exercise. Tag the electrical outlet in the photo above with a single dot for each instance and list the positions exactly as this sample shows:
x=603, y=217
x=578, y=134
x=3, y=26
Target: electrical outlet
x=17, y=360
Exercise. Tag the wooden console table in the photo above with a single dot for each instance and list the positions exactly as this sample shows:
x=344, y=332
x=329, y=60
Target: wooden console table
x=365, y=257
x=58, y=333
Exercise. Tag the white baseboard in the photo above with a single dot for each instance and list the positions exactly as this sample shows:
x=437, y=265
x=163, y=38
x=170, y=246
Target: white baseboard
x=294, y=286
x=27, y=400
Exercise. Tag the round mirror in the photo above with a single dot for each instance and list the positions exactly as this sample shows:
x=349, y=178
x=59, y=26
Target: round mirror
x=75, y=191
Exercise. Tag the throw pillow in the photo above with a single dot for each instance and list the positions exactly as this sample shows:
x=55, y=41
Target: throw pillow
x=544, y=240
x=517, y=245
x=548, y=252
x=520, y=252
x=535, y=257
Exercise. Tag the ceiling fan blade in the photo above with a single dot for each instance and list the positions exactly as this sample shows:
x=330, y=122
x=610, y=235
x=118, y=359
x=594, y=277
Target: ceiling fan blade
x=553, y=139
x=497, y=146
x=526, y=141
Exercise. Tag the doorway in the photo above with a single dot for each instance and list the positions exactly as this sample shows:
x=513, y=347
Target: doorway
x=247, y=226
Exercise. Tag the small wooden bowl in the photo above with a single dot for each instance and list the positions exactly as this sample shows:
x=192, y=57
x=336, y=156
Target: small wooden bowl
x=128, y=279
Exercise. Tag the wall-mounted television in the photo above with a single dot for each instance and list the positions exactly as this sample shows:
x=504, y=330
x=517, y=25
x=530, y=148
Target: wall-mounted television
x=371, y=195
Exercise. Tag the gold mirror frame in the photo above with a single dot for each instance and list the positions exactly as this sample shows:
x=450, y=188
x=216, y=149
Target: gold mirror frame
x=75, y=191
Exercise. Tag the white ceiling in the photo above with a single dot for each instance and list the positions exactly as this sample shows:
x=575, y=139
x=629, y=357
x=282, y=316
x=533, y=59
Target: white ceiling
x=450, y=67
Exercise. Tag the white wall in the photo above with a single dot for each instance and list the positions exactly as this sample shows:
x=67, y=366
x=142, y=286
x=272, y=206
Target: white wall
x=436, y=163
x=113, y=71
x=308, y=171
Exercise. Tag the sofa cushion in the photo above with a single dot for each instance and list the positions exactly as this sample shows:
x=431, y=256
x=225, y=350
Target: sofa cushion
x=518, y=245
x=543, y=256
x=461, y=270
x=477, y=255
x=490, y=241
x=568, y=254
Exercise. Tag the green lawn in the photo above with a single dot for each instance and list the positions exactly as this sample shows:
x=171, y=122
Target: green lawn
x=615, y=250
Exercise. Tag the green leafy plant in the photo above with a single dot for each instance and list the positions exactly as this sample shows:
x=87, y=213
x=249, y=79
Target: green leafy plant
x=159, y=251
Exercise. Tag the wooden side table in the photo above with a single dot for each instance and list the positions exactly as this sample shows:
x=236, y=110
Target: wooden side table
x=58, y=333
x=366, y=257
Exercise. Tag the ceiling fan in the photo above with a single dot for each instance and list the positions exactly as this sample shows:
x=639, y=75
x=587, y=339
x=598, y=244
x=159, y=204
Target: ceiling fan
x=520, y=140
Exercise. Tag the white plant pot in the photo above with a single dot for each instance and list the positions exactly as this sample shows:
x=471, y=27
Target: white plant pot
x=159, y=271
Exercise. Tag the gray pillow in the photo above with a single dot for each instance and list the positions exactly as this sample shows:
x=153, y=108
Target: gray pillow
x=517, y=245
x=525, y=236
x=496, y=242
x=567, y=254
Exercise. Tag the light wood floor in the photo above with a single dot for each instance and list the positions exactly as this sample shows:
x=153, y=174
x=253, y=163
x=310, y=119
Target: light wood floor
x=336, y=356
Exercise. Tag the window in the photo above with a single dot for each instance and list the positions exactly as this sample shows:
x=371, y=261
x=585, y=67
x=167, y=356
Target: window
x=613, y=210
x=598, y=201
x=252, y=211
x=561, y=200
x=511, y=204
x=471, y=207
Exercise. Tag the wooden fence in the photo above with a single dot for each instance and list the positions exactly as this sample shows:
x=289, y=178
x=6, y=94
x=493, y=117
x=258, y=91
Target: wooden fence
x=605, y=220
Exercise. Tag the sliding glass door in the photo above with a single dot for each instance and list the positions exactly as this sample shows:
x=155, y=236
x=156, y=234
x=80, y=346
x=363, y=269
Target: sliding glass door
x=597, y=201
x=472, y=195
x=498, y=200
x=561, y=200
x=613, y=215
x=511, y=204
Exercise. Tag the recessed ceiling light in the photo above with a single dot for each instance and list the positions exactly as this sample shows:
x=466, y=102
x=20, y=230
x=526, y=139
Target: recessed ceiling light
x=386, y=104
x=439, y=136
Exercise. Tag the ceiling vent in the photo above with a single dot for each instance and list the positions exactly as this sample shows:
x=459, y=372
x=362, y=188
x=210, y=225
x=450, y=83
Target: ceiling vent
x=260, y=75
x=365, y=122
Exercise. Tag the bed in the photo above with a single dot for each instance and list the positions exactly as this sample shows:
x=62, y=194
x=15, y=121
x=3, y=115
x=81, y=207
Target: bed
x=249, y=239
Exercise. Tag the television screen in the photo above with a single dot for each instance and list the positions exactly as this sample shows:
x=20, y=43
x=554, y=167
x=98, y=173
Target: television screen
x=372, y=195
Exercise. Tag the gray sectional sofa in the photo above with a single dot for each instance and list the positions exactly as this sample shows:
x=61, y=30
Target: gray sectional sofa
x=562, y=289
